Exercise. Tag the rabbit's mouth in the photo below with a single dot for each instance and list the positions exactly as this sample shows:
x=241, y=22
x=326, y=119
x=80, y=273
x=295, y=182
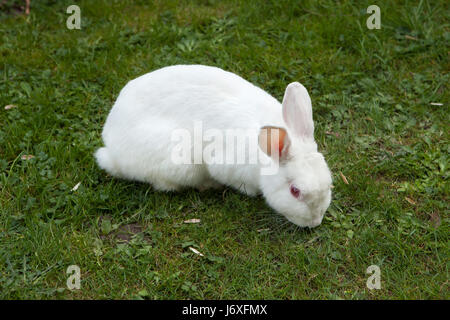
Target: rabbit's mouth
x=304, y=223
x=316, y=222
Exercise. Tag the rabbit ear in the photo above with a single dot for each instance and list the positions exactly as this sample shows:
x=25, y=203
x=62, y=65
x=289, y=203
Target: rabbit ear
x=297, y=111
x=274, y=142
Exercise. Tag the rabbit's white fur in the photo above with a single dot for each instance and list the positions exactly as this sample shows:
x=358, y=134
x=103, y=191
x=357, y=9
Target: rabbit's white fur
x=138, y=137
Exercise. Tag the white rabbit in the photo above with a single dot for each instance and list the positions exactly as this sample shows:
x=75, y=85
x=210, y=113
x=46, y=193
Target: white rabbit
x=139, y=143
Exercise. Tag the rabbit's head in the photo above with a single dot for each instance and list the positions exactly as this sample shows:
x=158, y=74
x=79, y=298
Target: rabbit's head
x=301, y=188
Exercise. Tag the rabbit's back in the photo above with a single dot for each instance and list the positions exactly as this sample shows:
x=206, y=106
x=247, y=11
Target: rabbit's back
x=187, y=93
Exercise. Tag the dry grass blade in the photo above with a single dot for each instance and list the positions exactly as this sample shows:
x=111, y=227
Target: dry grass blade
x=343, y=178
x=76, y=186
x=192, y=221
x=196, y=251
x=27, y=157
x=410, y=37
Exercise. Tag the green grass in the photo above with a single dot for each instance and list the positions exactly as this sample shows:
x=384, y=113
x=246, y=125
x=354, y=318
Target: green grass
x=371, y=92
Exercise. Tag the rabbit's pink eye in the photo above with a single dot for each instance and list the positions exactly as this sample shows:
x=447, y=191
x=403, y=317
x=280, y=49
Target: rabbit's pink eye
x=295, y=191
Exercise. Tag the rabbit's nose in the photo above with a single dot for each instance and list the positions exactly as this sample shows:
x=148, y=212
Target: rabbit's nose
x=317, y=221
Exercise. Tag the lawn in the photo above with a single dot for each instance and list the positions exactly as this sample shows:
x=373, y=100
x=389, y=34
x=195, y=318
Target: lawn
x=381, y=109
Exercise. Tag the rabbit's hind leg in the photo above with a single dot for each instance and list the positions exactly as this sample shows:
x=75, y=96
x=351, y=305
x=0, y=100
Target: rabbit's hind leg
x=166, y=186
x=210, y=184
